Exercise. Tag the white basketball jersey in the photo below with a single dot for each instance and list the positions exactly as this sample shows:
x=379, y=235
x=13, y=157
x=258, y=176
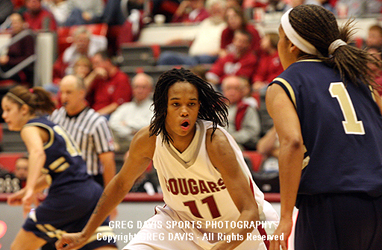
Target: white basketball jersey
x=195, y=190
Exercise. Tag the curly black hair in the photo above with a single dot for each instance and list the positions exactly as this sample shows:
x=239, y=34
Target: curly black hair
x=213, y=105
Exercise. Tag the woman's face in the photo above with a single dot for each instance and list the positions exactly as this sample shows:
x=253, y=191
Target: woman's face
x=234, y=21
x=12, y=114
x=17, y=23
x=82, y=69
x=283, y=47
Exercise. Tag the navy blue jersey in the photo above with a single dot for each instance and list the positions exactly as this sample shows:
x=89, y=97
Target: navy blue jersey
x=341, y=127
x=72, y=195
x=63, y=157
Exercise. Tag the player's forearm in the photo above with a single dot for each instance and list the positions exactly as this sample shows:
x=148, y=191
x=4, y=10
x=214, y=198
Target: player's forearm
x=290, y=164
x=109, y=173
x=36, y=161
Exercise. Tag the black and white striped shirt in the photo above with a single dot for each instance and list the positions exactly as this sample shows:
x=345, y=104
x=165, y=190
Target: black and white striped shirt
x=91, y=132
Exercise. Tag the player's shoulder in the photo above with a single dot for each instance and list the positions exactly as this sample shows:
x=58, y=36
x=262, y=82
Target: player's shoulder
x=216, y=139
x=144, y=142
x=144, y=136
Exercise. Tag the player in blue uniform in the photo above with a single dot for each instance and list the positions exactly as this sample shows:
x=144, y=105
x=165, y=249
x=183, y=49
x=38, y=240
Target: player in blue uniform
x=55, y=162
x=327, y=114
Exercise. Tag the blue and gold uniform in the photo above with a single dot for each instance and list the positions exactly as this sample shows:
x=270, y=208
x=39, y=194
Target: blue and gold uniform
x=341, y=126
x=73, y=194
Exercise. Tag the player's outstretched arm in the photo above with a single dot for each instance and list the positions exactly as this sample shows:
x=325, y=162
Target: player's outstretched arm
x=140, y=154
x=223, y=158
x=291, y=155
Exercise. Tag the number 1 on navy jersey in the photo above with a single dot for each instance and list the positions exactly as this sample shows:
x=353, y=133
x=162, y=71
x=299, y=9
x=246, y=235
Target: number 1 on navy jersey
x=351, y=124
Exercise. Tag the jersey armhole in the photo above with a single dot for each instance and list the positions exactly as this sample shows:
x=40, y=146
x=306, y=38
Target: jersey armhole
x=287, y=88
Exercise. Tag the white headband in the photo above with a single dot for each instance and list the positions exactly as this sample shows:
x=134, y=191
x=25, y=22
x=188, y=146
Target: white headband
x=294, y=37
x=16, y=98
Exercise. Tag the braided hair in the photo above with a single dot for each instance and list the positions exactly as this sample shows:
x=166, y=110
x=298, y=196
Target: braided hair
x=319, y=27
x=212, y=104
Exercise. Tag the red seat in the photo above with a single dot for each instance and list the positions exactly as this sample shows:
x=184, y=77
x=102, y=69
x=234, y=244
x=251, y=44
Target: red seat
x=255, y=158
x=8, y=160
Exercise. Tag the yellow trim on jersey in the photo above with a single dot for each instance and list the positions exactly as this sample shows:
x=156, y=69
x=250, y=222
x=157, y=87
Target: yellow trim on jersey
x=50, y=130
x=48, y=179
x=306, y=160
x=41, y=228
x=57, y=163
x=372, y=93
x=310, y=60
x=290, y=89
x=62, y=168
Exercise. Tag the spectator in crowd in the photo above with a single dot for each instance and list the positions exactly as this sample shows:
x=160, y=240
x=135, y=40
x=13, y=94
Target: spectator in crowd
x=39, y=18
x=134, y=20
x=269, y=147
x=59, y=9
x=89, y=130
x=22, y=48
x=269, y=63
x=241, y=61
x=357, y=8
x=130, y=117
x=109, y=87
x=376, y=52
x=275, y=6
x=84, y=12
x=190, y=11
x=374, y=36
x=235, y=21
x=206, y=45
x=84, y=43
x=323, y=3
x=231, y=3
x=6, y=9
x=243, y=119
x=11, y=182
x=82, y=67
x=113, y=13
x=21, y=170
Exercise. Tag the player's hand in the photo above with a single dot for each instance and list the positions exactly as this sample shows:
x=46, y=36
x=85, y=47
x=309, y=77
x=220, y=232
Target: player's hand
x=283, y=231
x=71, y=241
x=27, y=201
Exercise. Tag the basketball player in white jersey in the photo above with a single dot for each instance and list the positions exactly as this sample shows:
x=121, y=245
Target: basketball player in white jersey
x=211, y=200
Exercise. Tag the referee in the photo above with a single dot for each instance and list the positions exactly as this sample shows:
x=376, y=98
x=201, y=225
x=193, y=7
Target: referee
x=88, y=128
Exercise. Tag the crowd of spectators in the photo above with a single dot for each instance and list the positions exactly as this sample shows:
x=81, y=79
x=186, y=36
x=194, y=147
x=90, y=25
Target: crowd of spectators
x=227, y=48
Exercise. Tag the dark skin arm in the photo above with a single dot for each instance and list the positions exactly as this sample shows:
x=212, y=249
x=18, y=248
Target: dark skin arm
x=223, y=158
x=291, y=155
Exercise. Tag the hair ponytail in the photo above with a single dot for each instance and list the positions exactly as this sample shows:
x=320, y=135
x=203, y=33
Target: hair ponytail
x=319, y=27
x=37, y=98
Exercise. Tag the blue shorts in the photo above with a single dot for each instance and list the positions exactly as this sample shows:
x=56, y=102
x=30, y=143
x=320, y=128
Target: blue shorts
x=339, y=222
x=67, y=210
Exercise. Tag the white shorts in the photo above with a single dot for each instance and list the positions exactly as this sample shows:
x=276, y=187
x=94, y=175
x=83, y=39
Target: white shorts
x=162, y=232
